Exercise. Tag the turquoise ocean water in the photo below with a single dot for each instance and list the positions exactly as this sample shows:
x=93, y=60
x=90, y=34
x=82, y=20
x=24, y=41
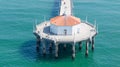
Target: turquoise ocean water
x=17, y=42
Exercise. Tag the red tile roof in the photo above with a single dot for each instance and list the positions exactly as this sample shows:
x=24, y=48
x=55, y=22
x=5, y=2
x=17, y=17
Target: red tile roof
x=65, y=20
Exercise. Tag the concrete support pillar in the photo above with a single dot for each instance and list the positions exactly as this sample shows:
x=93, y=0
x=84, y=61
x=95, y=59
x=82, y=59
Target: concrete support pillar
x=56, y=50
x=43, y=47
x=73, y=50
x=38, y=41
x=87, y=44
x=80, y=45
x=93, y=44
x=50, y=47
x=64, y=46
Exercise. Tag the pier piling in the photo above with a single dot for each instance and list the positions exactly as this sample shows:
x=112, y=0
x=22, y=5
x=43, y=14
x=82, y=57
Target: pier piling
x=38, y=44
x=50, y=47
x=56, y=50
x=80, y=45
x=87, y=43
x=64, y=47
x=93, y=44
x=44, y=47
x=73, y=50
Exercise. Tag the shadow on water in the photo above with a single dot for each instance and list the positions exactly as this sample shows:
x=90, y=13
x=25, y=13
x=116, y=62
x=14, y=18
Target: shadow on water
x=28, y=50
x=56, y=8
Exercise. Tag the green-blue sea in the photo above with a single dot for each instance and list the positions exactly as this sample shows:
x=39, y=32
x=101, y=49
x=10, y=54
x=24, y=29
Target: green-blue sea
x=18, y=44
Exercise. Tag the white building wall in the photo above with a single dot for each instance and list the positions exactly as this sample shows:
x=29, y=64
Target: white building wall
x=61, y=30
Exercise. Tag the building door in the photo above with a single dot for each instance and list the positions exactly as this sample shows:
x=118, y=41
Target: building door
x=65, y=31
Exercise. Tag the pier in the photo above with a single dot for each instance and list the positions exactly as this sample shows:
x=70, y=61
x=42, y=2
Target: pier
x=65, y=29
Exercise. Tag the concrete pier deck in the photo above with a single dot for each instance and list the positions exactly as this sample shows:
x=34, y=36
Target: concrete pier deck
x=86, y=32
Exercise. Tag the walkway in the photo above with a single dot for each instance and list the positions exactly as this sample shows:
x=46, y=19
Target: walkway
x=66, y=7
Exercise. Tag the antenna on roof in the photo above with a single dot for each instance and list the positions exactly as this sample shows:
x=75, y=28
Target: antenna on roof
x=86, y=19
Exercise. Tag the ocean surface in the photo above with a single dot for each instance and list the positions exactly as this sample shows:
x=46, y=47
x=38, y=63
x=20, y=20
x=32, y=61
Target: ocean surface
x=17, y=42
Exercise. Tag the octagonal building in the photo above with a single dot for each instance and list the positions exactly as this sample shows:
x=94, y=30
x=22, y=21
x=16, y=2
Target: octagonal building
x=64, y=25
